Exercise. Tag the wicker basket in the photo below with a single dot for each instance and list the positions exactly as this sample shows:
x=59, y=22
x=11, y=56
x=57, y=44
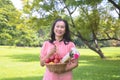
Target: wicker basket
x=56, y=67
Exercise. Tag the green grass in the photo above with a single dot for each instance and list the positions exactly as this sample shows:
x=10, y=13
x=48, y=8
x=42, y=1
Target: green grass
x=18, y=63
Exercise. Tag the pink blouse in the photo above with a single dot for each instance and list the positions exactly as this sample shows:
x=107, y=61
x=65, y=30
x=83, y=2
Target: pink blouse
x=62, y=50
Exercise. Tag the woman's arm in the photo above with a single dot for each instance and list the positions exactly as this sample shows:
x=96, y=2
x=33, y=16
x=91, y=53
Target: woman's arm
x=44, y=58
x=72, y=64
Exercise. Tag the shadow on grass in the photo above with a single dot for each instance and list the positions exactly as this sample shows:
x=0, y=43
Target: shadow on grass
x=24, y=78
x=90, y=68
x=95, y=73
x=25, y=57
x=94, y=68
x=93, y=60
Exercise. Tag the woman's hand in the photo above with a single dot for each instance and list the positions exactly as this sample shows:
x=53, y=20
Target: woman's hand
x=52, y=51
x=73, y=63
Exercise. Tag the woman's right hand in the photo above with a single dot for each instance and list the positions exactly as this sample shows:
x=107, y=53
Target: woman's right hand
x=50, y=53
x=52, y=50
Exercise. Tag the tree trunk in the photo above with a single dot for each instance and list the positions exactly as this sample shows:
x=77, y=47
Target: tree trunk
x=100, y=53
x=97, y=50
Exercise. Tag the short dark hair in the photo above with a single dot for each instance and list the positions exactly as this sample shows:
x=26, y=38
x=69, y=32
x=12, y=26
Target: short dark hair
x=66, y=36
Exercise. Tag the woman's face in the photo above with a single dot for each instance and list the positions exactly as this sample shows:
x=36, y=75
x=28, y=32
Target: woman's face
x=59, y=29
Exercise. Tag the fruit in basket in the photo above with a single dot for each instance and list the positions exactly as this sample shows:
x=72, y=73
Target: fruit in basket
x=54, y=58
x=47, y=60
x=55, y=65
x=51, y=63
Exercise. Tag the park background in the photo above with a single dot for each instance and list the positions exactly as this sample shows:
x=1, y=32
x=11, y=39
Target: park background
x=95, y=29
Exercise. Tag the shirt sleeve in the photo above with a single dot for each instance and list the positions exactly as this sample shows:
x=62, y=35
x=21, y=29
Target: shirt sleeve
x=72, y=45
x=43, y=51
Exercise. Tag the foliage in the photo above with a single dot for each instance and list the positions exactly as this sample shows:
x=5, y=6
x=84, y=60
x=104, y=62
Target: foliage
x=7, y=21
x=14, y=29
x=92, y=26
x=89, y=18
x=87, y=25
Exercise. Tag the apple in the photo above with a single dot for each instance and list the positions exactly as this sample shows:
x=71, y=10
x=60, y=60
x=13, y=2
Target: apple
x=52, y=58
x=60, y=57
x=56, y=56
x=47, y=60
x=51, y=63
x=56, y=61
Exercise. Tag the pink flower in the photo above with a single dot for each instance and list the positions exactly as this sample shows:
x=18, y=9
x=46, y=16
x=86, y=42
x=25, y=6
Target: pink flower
x=76, y=56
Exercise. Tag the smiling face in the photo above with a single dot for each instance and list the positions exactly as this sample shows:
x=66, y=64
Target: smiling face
x=59, y=29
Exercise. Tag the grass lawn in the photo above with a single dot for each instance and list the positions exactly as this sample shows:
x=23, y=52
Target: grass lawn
x=18, y=63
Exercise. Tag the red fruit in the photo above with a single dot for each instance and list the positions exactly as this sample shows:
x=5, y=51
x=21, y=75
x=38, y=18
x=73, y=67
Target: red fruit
x=52, y=58
x=60, y=57
x=47, y=60
x=56, y=56
x=56, y=61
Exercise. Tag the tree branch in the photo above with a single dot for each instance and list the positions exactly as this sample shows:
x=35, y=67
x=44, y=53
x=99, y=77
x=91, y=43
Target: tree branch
x=117, y=6
x=116, y=11
x=69, y=13
x=109, y=39
x=107, y=35
x=73, y=10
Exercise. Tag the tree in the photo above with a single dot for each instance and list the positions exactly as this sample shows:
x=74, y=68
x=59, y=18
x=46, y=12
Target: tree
x=116, y=4
x=87, y=25
x=13, y=27
x=8, y=17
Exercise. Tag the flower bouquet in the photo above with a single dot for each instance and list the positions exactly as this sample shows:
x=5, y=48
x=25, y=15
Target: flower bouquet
x=72, y=54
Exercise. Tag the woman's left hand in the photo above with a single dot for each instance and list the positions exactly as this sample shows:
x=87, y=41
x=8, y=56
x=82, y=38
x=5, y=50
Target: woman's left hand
x=72, y=64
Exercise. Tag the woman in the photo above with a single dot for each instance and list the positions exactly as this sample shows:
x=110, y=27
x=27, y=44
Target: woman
x=61, y=44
